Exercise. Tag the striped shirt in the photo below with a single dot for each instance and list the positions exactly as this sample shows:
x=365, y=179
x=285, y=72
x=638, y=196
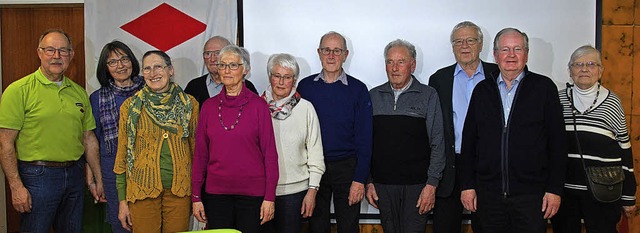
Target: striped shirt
x=604, y=139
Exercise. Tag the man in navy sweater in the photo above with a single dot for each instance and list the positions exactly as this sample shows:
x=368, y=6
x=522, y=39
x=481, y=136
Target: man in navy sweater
x=344, y=109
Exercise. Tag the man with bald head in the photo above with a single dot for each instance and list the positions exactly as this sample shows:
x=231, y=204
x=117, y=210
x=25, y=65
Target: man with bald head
x=344, y=110
x=209, y=85
x=512, y=165
x=46, y=125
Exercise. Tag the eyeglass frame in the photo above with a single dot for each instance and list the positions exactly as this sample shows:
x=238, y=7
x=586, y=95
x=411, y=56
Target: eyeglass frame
x=469, y=41
x=589, y=65
x=124, y=60
x=156, y=68
x=286, y=78
x=208, y=54
x=222, y=66
x=326, y=51
x=53, y=51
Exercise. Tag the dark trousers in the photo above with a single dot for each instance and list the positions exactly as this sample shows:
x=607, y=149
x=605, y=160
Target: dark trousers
x=398, y=211
x=288, y=217
x=598, y=217
x=336, y=182
x=232, y=211
x=519, y=213
x=447, y=213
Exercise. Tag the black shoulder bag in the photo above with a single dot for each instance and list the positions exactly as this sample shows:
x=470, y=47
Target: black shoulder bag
x=605, y=182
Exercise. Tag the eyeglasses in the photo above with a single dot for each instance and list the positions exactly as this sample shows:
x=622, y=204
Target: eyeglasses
x=517, y=50
x=278, y=77
x=50, y=51
x=232, y=66
x=580, y=65
x=208, y=54
x=157, y=68
x=123, y=60
x=470, y=41
x=327, y=51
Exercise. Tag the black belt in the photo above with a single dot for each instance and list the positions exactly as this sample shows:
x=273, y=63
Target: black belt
x=50, y=163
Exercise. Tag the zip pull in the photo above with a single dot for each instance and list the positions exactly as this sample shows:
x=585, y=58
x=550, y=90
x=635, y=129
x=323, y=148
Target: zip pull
x=504, y=195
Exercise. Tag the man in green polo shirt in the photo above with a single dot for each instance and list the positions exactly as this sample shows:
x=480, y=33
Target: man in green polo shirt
x=45, y=127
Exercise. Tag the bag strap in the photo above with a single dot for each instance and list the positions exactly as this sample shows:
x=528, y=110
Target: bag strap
x=575, y=131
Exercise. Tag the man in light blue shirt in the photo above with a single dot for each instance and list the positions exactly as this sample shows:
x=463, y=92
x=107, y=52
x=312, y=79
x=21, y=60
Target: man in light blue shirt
x=455, y=84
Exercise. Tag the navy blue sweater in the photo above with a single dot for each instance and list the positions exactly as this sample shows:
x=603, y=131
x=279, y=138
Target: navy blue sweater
x=345, y=115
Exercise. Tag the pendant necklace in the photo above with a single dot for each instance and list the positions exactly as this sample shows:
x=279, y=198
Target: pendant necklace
x=593, y=105
x=233, y=126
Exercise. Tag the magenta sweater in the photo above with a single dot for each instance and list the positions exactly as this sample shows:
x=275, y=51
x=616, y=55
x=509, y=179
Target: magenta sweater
x=240, y=161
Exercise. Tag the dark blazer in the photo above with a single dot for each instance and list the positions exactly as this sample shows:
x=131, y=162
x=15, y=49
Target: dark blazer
x=198, y=88
x=442, y=81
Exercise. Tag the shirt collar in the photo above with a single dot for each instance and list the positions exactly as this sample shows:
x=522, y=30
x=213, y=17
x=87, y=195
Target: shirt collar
x=515, y=81
x=342, y=77
x=210, y=81
x=404, y=88
x=459, y=69
x=44, y=80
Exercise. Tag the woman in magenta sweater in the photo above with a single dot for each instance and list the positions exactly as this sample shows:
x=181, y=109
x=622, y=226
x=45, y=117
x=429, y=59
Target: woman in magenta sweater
x=235, y=156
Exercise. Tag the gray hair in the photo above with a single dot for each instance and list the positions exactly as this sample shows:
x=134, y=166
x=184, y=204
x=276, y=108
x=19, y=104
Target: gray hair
x=224, y=41
x=511, y=30
x=238, y=51
x=400, y=43
x=332, y=33
x=284, y=60
x=584, y=50
x=465, y=24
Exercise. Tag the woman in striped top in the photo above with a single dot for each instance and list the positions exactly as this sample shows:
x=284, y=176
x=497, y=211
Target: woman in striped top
x=604, y=140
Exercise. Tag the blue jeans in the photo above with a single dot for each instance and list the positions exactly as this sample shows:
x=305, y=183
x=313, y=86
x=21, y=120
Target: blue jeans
x=57, y=195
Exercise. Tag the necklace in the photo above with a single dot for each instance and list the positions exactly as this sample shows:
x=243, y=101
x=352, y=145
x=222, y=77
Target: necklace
x=233, y=126
x=588, y=110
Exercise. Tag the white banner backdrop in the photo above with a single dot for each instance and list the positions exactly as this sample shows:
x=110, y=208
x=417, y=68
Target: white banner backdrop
x=180, y=28
x=555, y=28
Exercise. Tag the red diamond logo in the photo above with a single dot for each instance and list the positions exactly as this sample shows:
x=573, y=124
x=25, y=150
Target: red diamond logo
x=164, y=27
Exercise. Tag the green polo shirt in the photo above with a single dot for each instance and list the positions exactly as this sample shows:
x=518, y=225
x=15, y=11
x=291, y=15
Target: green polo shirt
x=51, y=120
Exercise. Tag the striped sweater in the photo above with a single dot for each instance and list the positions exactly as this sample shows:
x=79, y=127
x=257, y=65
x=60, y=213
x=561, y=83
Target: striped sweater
x=604, y=139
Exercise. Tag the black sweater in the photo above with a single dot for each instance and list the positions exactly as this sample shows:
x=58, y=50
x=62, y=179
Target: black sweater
x=525, y=155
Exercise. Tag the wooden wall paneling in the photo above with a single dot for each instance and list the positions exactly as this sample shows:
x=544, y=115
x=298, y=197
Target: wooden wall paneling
x=635, y=109
x=615, y=12
x=21, y=28
x=617, y=59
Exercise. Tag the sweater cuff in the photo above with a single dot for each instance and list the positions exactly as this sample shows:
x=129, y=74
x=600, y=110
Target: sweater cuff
x=314, y=179
x=433, y=181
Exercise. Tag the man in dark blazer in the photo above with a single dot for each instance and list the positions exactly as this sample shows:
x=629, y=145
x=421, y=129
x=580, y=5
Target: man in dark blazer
x=209, y=85
x=454, y=84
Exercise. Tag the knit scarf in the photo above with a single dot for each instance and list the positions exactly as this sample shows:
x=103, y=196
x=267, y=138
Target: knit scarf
x=170, y=111
x=282, y=108
x=109, y=110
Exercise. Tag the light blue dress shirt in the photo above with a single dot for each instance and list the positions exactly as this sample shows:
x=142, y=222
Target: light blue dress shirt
x=507, y=95
x=463, y=86
x=212, y=87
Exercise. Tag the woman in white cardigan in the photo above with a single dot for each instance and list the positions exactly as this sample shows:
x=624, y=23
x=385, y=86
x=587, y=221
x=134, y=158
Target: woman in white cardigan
x=299, y=144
